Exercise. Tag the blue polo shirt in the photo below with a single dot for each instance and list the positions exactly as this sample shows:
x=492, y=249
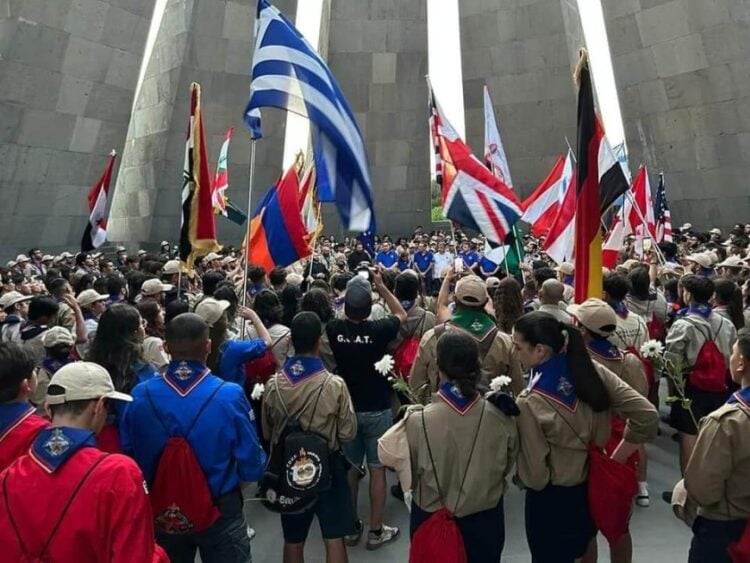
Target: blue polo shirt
x=470, y=258
x=387, y=259
x=422, y=260
x=223, y=439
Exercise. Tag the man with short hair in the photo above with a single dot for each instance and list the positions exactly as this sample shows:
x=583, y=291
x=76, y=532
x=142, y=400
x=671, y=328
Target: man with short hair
x=277, y=278
x=117, y=289
x=92, y=304
x=302, y=379
x=551, y=300
x=212, y=261
x=42, y=311
x=16, y=308
x=18, y=423
x=357, y=343
x=387, y=258
x=443, y=262
x=215, y=419
x=35, y=266
x=95, y=505
x=58, y=344
x=632, y=331
x=469, y=256
x=424, y=264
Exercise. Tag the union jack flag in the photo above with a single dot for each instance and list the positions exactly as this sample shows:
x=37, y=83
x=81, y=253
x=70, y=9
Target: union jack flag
x=472, y=195
x=662, y=214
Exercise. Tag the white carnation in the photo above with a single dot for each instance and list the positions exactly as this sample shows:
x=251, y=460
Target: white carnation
x=652, y=349
x=384, y=365
x=258, y=391
x=499, y=382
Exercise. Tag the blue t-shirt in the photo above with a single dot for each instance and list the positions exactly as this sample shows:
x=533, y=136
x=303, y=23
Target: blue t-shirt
x=387, y=259
x=422, y=260
x=470, y=258
x=404, y=264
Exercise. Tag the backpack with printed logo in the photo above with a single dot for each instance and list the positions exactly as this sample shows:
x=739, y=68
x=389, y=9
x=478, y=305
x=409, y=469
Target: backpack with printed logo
x=298, y=469
x=709, y=373
x=180, y=497
x=406, y=352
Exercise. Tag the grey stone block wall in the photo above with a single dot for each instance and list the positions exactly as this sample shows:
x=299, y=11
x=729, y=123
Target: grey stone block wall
x=683, y=77
x=68, y=70
x=524, y=52
x=209, y=42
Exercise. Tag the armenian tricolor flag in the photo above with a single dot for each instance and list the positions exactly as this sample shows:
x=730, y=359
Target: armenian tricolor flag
x=278, y=236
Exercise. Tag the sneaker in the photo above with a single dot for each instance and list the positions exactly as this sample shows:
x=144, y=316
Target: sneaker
x=642, y=499
x=397, y=492
x=354, y=538
x=387, y=535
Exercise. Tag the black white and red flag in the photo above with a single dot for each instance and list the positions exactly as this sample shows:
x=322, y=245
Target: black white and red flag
x=95, y=233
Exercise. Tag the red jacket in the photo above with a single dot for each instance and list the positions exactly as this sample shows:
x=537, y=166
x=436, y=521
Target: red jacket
x=18, y=428
x=108, y=520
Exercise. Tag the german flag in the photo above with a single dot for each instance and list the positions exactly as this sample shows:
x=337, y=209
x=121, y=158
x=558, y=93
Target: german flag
x=198, y=228
x=600, y=182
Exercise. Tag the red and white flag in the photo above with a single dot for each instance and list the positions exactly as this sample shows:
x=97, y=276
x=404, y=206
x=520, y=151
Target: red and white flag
x=221, y=178
x=95, y=233
x=560, y=240
x=541, y=208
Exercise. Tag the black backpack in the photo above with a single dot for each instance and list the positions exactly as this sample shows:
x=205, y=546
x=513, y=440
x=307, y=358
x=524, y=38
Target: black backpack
x=298, y=469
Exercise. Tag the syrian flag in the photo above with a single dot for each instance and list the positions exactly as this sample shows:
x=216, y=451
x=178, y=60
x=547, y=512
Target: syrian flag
x=95, y=233
x=542, y=207
x=221, y=178
x=472, y=195
x=600, y=182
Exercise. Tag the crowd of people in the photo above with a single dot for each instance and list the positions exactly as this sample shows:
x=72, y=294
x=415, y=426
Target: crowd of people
x=142, y=405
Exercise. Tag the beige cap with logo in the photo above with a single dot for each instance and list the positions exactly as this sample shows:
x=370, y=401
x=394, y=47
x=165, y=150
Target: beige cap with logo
x=595, y=315
x=83, y=381
x=471, y=291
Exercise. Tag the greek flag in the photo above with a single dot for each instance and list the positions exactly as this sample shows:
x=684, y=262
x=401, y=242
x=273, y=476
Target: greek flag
x=289, y=74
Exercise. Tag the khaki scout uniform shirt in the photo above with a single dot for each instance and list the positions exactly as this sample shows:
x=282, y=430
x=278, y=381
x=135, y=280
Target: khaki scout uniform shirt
x=333, y=417
x=552, y=453
x=628, y=368
x=717, y=476
x=501, y=359
x=685, y=339
x=451, y=436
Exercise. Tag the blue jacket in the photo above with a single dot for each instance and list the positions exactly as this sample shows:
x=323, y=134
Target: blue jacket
x=234, y=355
x=223, y=439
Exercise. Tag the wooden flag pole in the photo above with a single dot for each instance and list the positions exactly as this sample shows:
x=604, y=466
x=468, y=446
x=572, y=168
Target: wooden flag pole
x=247, y=237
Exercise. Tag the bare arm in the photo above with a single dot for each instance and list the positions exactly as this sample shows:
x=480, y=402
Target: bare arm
x=394, y=305
x=250, y=315
x=81, y=331
x=442, y=310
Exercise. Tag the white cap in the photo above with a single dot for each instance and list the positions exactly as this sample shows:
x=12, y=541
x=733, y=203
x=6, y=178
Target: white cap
x=89, y=297
x=228, y=260
x=164, y=242
x=212, y=256
x=211, y=310
x=13, y=298
x=47, y=258
x=733, y=262
x=701, y=258
x=11, y=264
x=154, y=287
x=22, y=258
x=66, y=255
x=57, y=335
x=171, y=267
x=715, y=231
x=83, y=381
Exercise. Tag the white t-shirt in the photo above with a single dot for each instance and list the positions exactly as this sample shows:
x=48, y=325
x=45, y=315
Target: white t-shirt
x=442, y=263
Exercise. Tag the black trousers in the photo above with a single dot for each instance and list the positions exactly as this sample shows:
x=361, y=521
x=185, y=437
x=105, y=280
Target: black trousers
x=711, y=539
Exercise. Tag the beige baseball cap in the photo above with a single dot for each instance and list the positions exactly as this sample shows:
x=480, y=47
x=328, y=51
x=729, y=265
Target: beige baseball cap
x=212, y=256
x=89, y=297
x=566, y=268
x=65, y=255
x=471, y=291
x=171, y=267
x=228, y=260
x=83, y=381
x=211, y=310
x=492, y=282
x=595, y=315
x=13, y=298
x=733, y=262
x=701, y=258
x=154, y=287
x=22, y=258
x=47, y=258
x=57, y=335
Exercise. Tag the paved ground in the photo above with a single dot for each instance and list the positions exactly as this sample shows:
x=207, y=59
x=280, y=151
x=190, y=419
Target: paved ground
x=657, y=535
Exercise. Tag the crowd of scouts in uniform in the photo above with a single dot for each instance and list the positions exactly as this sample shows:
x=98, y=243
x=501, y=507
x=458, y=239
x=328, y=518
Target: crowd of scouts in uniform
x=110, y=365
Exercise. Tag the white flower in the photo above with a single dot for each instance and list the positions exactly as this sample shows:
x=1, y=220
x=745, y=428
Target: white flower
x=499, y=382
x=652, y=349
x=384, y=365
x=258, y=391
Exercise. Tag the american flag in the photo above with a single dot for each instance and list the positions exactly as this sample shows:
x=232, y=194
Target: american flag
x=661, y=212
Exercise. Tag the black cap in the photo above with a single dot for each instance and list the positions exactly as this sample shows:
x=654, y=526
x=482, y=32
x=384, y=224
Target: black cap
x=358, y=299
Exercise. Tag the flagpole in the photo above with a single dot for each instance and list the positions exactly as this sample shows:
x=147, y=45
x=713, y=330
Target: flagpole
x=247, y=238
x=638, y=212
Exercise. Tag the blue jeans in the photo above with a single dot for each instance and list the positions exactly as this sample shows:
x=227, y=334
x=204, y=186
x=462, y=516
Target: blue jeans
x=224, y=542
x=370, y=427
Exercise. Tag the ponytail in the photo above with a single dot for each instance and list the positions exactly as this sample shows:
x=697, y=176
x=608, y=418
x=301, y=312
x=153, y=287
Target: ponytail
x=458, y=360
x=542, y=328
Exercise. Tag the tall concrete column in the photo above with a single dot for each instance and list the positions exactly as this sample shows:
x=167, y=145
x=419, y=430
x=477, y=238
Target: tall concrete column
x=524, y=51
x=209, y=42
x=68, y=69
x=683, y=74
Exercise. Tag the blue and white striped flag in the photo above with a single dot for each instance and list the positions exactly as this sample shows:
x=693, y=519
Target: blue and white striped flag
x=289, y=74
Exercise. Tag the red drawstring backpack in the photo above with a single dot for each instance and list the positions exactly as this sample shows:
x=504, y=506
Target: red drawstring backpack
x=405, y=354
x=438, y=539
x=709, y=373
x=180, y=497
x=260, y=370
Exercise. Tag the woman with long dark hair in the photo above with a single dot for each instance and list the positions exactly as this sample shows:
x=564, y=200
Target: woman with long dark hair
x=461, y=448
x=508, y=304
x=728, y=302
x=268, y=308
x=568, y=405
x=118, y=346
